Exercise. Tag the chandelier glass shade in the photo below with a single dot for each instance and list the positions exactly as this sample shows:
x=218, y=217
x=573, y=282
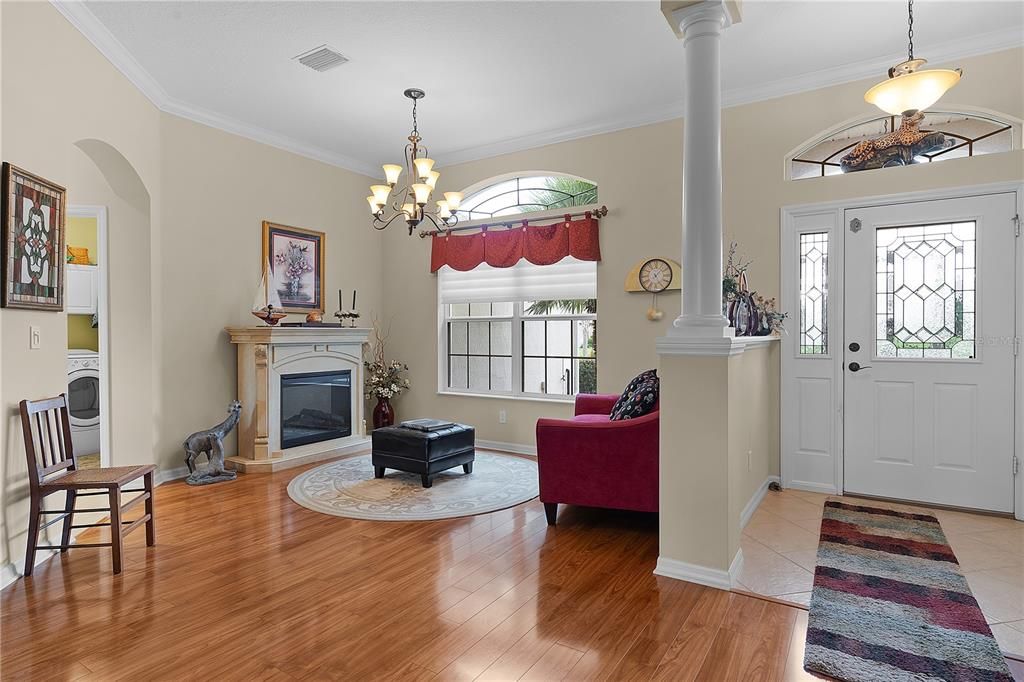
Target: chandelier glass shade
x=389, y=202
x=909, y=88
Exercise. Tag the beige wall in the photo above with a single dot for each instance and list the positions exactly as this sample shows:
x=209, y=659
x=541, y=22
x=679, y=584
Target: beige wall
x=718, y=448
x=753, y=440
x=42, y=138
x=639, y=175
x=639, y=182
x=219, y=188
x=185, y=205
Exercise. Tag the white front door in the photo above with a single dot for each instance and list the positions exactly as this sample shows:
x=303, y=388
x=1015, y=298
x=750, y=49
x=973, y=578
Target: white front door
x=928, y=351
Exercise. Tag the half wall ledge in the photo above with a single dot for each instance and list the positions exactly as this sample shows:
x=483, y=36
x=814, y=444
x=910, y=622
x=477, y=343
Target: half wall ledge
x=732, y=345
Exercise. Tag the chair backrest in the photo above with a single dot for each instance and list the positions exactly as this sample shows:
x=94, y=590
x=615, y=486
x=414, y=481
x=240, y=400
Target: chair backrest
x=47, y=431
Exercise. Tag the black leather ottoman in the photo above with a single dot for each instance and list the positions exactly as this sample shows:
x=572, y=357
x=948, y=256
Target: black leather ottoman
x=423, y=452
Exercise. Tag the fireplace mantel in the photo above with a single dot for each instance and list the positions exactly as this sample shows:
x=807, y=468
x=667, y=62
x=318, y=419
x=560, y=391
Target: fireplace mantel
x=265, y=354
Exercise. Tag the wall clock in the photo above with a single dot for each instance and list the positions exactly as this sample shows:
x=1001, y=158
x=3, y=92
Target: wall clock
x=655, y=275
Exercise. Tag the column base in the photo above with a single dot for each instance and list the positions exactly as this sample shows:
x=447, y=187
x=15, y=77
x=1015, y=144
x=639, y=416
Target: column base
x=701, y=326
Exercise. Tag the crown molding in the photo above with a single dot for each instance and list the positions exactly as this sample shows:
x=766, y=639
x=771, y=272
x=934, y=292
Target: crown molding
x=255, y=133
x=82, y=18
x=96, y=32
x=952, y=50
x=79, y=15
x=873, y=68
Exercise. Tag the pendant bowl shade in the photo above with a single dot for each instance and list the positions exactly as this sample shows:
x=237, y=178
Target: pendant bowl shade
x=432, y=178
x=380, y=193
x=374, y=205
x=912, y=92
x=443, y=211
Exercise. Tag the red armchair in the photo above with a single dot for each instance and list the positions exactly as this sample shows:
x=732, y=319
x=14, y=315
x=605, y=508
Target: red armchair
x=592, y=461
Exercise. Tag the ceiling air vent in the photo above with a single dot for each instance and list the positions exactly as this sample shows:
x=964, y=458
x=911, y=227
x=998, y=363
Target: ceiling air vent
x=323, y=58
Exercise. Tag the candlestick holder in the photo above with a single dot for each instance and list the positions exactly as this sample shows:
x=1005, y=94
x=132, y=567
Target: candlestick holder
x=347, y=318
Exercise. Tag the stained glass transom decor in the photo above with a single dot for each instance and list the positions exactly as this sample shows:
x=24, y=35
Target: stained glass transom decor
x=814, y=293
x=972, y=135
x=527, y=194
x=925, y=292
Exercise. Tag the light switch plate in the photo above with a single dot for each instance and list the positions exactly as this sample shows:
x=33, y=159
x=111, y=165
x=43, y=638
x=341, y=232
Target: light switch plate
x=35, y=338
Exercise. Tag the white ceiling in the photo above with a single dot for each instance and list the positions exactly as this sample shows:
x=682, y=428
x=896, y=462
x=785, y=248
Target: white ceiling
x=499, y=76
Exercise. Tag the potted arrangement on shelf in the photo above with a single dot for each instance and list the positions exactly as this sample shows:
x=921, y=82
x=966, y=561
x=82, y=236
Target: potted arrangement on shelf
x=384, y=380
x=748, y=312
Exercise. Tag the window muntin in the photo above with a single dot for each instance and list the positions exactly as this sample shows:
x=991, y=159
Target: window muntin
x=521, y=348
x=527, y=194
x=813, y=333
x=973, y=135
x=925, y=293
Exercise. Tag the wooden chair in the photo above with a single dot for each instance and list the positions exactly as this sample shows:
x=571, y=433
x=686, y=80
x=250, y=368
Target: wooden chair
x=52, y=467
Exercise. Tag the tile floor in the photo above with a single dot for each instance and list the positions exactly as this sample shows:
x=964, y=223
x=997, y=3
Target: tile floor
x=780, y=542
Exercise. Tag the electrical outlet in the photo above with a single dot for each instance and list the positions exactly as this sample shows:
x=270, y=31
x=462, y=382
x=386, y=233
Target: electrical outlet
x=502, y=417
x=35, y=338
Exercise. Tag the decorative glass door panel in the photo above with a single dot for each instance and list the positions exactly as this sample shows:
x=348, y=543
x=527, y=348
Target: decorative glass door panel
x=928, y=393
x=925, y=300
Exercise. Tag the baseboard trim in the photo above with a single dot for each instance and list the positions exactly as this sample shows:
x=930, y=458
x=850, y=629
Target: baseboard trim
x=755, y=501
x=702, y=575
x=166, y=475
x=809, y=487
x=735, y=567
x=514, y=448
x=9, y=572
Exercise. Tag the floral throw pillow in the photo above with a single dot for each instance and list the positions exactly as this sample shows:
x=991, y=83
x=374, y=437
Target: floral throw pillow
x=639, y=398
x=635, y=382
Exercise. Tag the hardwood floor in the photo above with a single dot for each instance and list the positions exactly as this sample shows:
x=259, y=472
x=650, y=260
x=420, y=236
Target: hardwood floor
x=245, y=584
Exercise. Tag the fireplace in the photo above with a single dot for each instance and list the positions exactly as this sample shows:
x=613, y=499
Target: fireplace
x=284, y=371
x=315, y=406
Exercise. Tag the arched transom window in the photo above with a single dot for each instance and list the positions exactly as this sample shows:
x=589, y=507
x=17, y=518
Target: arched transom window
x=966, y=135
x=525, y=194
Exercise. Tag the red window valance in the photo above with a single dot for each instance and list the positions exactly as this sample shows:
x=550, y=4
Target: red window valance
x=541, y=245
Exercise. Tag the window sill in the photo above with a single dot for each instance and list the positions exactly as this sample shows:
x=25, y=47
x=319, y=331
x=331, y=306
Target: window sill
x=567, y=400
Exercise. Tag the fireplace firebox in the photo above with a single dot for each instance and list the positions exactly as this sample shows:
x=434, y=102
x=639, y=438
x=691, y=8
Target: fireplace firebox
x=315, y=406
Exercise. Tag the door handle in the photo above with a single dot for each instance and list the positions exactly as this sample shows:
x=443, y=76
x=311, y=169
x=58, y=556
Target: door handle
x=856, y=366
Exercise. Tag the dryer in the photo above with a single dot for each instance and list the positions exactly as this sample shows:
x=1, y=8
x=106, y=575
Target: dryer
x=84, y=400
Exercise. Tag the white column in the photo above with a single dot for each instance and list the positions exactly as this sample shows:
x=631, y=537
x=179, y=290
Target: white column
x=700, y=25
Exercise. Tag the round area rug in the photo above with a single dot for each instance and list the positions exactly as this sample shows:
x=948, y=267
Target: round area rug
x=347, y=488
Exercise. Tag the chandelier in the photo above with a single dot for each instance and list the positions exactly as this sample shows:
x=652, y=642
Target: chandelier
x=909, y=89
x=410, y=201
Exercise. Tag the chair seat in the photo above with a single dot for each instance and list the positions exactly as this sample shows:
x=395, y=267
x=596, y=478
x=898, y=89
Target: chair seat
x=591, y=418
x=98, y=478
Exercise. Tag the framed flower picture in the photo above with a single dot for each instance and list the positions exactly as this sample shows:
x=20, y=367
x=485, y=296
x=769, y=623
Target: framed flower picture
x=32, y=251
x=296, y=258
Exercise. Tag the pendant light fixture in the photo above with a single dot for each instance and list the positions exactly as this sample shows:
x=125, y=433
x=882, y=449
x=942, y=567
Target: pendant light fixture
x=410, y=202
x=910, y=89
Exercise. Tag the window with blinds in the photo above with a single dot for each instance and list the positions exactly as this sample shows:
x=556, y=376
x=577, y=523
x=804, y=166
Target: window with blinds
x=527, y=330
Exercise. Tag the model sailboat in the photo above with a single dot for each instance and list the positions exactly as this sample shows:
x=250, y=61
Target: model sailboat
x=267, y=304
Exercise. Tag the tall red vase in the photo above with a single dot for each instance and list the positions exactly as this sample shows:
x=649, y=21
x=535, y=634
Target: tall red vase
x=383, y=413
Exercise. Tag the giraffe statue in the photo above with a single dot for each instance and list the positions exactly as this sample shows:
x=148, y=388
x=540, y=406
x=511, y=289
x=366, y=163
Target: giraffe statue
x=211, y=441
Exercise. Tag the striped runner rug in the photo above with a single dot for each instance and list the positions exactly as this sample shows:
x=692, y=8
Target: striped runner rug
x=890, y=603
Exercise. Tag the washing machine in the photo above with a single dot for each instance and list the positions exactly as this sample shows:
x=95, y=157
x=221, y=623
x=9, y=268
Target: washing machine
x=84, y=400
